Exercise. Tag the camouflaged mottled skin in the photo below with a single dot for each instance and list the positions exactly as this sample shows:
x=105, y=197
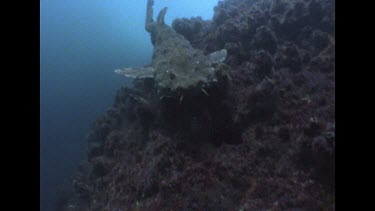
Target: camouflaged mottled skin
x=177, y=67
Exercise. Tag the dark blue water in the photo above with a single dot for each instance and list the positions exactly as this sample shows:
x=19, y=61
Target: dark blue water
x=82, y=42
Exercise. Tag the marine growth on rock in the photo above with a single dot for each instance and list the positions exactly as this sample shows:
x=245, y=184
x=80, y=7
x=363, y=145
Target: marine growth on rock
x=260, y=135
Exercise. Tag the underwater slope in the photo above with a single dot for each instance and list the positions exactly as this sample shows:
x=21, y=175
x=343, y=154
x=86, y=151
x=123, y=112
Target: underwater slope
x=262, y=138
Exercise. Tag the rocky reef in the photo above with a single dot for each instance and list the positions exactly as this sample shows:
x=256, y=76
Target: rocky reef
x=261, y=138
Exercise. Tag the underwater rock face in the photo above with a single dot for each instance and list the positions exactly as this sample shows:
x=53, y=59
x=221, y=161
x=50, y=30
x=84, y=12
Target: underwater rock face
x=263, y=138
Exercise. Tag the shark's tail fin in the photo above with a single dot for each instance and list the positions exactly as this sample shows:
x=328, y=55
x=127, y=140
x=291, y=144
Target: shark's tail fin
x=149, y=15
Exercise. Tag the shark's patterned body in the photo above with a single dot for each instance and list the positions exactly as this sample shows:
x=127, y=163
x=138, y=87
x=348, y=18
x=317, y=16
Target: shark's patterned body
x=176, y=65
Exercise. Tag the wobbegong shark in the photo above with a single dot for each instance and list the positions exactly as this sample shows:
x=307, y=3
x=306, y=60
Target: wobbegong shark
x=176, y=66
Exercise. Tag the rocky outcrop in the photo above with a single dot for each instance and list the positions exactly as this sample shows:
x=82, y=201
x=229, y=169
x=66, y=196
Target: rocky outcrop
x=263, y=138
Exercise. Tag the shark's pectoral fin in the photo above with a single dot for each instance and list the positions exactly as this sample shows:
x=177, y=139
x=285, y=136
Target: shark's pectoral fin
x=136, y=72
x=218, y=56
